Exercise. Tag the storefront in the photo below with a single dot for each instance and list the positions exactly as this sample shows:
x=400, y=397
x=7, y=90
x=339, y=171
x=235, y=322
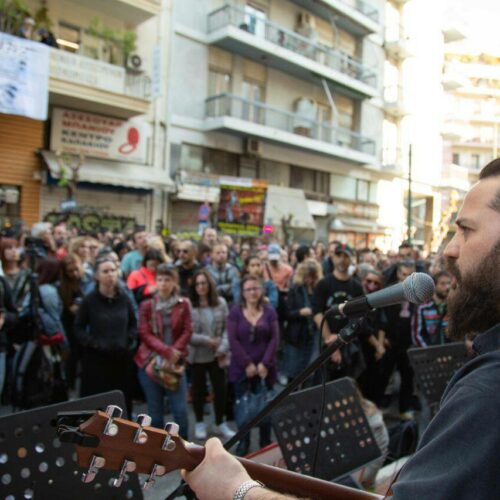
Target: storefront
x=109, y=159
x=20, y=138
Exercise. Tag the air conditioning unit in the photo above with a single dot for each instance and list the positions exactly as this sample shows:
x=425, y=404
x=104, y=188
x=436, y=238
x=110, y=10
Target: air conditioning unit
x=253, y=147
x=134, y=62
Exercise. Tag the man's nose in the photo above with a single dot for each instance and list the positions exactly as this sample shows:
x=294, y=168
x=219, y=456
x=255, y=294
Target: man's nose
x=452, y=248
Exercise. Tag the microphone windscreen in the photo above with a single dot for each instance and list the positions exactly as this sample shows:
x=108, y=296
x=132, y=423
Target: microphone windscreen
x=418, y=288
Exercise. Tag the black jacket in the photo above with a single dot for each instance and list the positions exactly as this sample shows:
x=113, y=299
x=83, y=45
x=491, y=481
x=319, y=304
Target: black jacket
x=300, y=329
x=8, y=307
x=106, y=324
x=458, y=457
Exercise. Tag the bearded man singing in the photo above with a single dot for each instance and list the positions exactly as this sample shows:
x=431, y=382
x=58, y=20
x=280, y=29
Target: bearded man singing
x=459, y=454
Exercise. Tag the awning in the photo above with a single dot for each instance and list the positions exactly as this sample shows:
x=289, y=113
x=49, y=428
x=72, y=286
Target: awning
x=114, y=173
x=357, y=225
x=282, y=202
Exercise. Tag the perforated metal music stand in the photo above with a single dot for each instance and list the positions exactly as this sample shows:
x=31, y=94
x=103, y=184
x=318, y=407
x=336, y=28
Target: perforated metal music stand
x=35, y=464
x=434, y=366
x=346, y=441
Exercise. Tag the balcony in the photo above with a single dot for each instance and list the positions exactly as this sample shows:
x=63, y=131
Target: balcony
x=234, y=114
x=453, y=78
x=132, y=12
x=355, y=16
x=264, y=41
x=394, y=104
x=396, y=44
x=392, y=161
x=84, y=83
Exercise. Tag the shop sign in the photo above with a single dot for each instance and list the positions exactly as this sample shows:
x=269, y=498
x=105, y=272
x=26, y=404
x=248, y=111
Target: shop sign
x=241, y=206
x=99, y=136
x=24, y=77
x=92, y=222
x=356, y=210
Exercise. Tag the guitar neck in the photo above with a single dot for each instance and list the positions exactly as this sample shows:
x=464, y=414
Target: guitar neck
x=288, y=482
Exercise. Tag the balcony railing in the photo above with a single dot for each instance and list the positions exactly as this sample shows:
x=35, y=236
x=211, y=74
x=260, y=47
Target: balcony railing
x=82, y=70
x=262, y=114
x=282, y=37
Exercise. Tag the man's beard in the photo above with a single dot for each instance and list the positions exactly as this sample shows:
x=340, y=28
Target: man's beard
x=474, y=304
x=442, y=295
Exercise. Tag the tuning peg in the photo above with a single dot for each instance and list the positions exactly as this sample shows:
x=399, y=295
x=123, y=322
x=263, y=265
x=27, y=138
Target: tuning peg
x=96, y=463
x=144, y=421
x=173, y=431
x=158, y=470
x=112, y=411
x=127, y=466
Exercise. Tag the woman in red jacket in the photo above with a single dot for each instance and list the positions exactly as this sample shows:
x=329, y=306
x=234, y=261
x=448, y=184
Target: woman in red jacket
x=165, y=330
x=142, y=282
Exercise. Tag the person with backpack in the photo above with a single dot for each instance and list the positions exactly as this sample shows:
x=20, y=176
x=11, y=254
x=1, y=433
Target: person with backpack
x=106, y=328
x=142, y=282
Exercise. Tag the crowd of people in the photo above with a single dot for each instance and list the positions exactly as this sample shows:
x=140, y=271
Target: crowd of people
x=207, y=320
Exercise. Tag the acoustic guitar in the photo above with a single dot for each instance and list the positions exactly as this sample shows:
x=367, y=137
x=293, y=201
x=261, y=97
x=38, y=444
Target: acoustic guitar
x=103, y=440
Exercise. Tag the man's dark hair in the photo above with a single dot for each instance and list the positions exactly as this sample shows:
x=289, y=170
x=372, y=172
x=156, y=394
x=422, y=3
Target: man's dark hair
x=492, y=170
x=405, y=244
x=437, y=276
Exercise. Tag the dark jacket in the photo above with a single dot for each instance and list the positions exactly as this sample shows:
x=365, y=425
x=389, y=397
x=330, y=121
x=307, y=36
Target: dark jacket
x=181, y=326
x=9, y=309
x=458, y=457
x=106, y=324
x=300, y=329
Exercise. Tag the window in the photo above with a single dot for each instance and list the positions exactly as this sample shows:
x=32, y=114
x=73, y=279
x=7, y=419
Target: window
x=362, y=190
x=255, y=20
x=218, y=82
x=191, y=158
x=476, y=161
x=456, y=159
x=310, y=181
x=253, y=92
x=69, y=38
x=277, y=174
x=220, y=162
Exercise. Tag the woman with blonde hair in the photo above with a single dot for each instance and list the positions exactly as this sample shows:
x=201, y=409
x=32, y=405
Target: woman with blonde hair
x=301, y=334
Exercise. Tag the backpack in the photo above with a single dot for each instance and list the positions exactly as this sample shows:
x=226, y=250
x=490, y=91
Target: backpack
x=37, y=377
x=403, y=440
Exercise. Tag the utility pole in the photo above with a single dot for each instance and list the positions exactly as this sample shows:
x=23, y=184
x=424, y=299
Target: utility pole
x=410, y=203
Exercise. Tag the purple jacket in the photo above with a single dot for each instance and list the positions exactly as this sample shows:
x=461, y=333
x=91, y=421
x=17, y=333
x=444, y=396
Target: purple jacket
x=261, y=350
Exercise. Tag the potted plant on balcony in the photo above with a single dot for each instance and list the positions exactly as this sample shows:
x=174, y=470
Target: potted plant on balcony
x=119, y=44
x=12, y=15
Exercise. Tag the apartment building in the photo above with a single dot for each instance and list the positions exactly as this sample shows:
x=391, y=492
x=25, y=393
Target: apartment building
x=471, y=128
x=106, y=109
x=283, y=91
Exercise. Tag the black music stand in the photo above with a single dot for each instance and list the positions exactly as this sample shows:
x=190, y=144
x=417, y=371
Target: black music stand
x=35, y=464
x=434, y=366
x=346, y=440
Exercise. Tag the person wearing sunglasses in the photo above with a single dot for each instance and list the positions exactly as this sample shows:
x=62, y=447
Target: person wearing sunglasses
x=253, y=337
x=187, y=266
x=208, y=352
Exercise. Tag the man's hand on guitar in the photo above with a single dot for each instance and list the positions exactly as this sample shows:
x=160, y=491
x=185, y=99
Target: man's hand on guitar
x=219, y=474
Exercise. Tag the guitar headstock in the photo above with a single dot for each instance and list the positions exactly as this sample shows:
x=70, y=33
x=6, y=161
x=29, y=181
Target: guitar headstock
x=104, y=440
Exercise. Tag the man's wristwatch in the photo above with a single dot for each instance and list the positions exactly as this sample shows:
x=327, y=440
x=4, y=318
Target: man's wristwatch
x=243, y=489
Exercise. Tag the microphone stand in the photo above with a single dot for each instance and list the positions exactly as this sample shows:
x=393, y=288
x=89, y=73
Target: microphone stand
x=345, y=336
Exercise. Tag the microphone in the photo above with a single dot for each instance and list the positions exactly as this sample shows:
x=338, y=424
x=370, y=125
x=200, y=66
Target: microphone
x=418, y=288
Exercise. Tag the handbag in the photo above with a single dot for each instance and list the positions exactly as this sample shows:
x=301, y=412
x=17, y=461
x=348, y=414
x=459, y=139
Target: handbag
x=250, y=403
x=160, y=370
x=164, y=372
